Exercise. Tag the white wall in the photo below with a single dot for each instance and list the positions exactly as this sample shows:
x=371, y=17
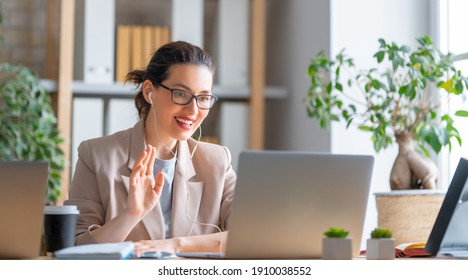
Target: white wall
x=457, y=43
x=297, y=30
x=357, y=25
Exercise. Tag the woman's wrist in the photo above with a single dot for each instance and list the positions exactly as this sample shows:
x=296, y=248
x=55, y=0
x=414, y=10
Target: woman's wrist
x=133, y=216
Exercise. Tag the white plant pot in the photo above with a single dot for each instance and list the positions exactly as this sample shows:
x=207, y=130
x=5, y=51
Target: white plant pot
x=337, y=248
x=380, y=249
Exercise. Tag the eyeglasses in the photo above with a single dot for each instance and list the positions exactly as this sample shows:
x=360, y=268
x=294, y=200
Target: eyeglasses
x=181, y=97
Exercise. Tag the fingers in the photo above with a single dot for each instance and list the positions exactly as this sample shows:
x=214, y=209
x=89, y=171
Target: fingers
x=146, y=160
x=140, y=160
x=159, y=183
x=135, y=172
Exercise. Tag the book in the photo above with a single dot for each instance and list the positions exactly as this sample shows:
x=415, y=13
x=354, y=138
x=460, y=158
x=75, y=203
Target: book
x=136, y=60
x=157, y=37
x=148, y=43
x=101, y=251
x=122, y=52
x=409, y=250
x=162, y=35
x=165, y=35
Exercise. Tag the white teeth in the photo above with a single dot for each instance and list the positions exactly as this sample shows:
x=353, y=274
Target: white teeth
x=184, y=121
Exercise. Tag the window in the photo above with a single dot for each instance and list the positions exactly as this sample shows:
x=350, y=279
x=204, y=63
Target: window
x=453, y=27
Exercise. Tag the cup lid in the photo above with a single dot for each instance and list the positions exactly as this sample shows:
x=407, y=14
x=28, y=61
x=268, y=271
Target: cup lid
x=61, y=209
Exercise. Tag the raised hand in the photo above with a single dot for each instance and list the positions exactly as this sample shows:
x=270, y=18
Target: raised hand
x=144, y=190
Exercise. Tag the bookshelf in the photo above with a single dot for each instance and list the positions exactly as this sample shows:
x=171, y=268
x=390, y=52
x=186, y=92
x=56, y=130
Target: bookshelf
x=121, y=90
x=126, y=92
x=252, y=94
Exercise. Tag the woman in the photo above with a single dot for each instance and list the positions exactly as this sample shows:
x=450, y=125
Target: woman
x=153, y=183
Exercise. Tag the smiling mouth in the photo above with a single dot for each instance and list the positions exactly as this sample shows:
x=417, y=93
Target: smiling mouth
x=184, y=122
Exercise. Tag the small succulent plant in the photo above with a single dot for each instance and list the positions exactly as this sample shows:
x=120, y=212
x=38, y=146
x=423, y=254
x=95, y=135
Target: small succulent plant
x=336, y=232
x=381, y=233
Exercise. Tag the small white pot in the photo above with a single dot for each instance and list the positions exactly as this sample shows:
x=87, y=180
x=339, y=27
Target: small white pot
x=337, y=248
x=380, y=249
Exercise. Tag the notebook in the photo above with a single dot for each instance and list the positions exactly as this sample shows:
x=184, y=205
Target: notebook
x=99, y=251
x=284, y=202
x=23, y=186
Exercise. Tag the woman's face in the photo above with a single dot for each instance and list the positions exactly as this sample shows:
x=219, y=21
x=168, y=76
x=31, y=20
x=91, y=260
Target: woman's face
x=179, y=122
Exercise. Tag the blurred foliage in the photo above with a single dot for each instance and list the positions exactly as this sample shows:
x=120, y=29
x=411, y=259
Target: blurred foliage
x=403, y=96
x=28, y=124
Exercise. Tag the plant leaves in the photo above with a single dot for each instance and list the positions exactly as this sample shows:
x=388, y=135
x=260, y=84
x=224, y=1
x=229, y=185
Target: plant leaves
x=380, y=56
x=447, y=85
x=458, y=87
x=461, y=113
x=339, y=87
x=393, y=100
x=365, y=128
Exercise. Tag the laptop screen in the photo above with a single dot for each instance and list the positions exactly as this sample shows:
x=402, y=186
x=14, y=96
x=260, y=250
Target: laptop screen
x=285, y=201
x=23, y=186
x=449, y=235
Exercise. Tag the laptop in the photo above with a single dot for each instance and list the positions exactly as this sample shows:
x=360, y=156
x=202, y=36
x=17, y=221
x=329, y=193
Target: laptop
x=23, y=186
x=449, y=235
x=285, y=201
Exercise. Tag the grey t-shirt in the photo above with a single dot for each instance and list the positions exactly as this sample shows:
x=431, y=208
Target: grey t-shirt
x=168, y=168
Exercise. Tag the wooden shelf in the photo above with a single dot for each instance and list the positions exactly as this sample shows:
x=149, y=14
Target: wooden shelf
x=121, y=90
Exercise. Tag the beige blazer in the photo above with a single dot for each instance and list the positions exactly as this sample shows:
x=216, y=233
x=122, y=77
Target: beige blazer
x=101, y=181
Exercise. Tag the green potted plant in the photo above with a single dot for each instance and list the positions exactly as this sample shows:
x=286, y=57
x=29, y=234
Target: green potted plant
x=27, y=124
x=397, y=101
x=336, y=245
x=380, y=245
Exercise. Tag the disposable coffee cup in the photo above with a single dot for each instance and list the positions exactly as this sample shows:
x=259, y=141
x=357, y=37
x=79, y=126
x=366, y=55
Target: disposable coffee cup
x=59, y=227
